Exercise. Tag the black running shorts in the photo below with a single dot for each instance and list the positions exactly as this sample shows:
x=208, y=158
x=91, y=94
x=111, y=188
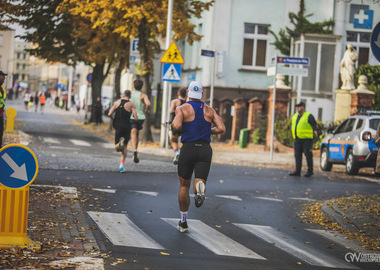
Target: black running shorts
x=122, y=132
x=195, y=156
x=137, y=124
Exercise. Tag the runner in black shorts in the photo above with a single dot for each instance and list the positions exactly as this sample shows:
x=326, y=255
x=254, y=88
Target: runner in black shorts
x=194, y=118
x=180, y=100
x=123, y=109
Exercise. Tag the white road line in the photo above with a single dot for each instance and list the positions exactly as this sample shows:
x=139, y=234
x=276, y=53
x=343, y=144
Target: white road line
x=294, y=247
x=340, y=239
x=107, y=145
x=150, y=193
x=51, y=140
x=214, y=240
x=302, y=199
x=236, y=198
x=269, y=199
x=121, y=231
x=63, y=148
x=107, y=190
x=80, y=142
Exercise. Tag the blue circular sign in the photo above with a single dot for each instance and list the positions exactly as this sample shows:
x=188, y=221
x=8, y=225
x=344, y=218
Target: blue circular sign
x=375, y=41
x=19, y=166
x=89, y=77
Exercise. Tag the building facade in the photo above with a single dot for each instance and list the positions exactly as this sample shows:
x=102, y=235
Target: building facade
x=239, y=33
x=7, y=39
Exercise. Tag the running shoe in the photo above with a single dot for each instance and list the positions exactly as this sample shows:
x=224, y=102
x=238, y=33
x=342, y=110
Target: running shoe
x=135, y=157
x=182, y=226
x=121, y=144
x=121, y=169
x=175, y=160
x=200, y=196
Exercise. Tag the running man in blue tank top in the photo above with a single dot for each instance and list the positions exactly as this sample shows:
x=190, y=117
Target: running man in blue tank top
x=195, y=119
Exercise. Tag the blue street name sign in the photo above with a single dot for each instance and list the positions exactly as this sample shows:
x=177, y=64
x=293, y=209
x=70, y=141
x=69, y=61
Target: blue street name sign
x=208, y=53
x=171, y=72
x=293, y=60
x=375, y=41
x=19, y=166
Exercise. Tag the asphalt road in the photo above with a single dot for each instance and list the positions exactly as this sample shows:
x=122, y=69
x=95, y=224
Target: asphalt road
x=248, y=221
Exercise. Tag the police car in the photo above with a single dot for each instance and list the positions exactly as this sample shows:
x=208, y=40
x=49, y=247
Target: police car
x=352, y=143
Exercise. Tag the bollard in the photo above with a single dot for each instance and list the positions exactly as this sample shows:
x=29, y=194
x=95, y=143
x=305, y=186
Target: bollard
x=19, y=168
x=11, y=114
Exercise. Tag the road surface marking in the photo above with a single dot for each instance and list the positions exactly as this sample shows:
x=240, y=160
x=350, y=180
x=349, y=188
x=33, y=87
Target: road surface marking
x=107, y=145
x=80, y=142
x=67, y=192
x=214, y=240
x=51, y=140
x=107, y=190
x=150, y=193
x=269, y=199
x=236, y=198
x=63, y=148
x=302, y=199
x=294, y=247
x=121, y=231
x=340, y=239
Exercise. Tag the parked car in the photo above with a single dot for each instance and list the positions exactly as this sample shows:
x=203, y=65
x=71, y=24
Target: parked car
x=352, y=143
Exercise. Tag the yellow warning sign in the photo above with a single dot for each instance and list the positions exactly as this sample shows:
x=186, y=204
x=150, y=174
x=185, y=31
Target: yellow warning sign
x=172, y=55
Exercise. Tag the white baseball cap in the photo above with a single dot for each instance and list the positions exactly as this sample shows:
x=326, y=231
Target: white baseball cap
x=195, y=90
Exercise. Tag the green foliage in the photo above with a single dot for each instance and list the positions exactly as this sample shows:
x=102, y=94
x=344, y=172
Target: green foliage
x=259, y=134
x=283, y=131
x=373, y=76
x=301, y=26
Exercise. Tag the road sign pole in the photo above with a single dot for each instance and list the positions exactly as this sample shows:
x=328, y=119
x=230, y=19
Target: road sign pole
x=212, y=82
x=273, y=111
x=165, y=102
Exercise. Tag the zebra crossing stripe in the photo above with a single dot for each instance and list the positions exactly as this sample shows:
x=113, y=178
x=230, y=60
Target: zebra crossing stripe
x=121, y=231
x=293, y=247
x=51, y=140
x=80, y=142
x=269, y=199
x=340, y=239
x=214, y=240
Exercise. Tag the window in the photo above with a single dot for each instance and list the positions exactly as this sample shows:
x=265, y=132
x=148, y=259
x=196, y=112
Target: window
x=255, y=45
x=360, y=41
x=340, y=128
x=359, y=124
x=18, y=55
x=1, y=40
x=374, y=123
x=320, y=112
x=350, y=125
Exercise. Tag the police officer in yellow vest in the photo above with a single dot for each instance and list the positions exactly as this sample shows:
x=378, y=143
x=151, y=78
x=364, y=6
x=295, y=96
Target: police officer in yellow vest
x=303, y=126
x=3, y=96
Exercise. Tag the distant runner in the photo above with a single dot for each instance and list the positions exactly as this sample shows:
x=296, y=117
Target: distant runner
x=180, y=100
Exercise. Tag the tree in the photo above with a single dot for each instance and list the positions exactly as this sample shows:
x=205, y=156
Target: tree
x=146, y=20
x=301, y=26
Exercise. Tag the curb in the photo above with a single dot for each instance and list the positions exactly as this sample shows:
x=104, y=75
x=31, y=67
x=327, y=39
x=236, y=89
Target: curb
x=334, y=213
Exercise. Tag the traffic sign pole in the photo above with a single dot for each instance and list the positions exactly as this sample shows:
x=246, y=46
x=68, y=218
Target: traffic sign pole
x=19, y=169
x=273, y=112
x=165, y=94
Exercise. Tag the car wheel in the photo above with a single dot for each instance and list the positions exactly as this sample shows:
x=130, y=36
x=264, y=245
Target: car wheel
x=352, y=167
x=324, y=160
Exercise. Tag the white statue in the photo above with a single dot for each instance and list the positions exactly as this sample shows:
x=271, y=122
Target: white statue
x=347, y=68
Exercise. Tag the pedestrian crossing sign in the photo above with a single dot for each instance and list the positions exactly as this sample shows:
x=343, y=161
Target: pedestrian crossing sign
x=172, y=55
x=171, y=72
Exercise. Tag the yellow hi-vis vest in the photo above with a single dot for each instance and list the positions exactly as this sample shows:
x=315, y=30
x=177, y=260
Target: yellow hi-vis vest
x=304, y=129
x=3, y=96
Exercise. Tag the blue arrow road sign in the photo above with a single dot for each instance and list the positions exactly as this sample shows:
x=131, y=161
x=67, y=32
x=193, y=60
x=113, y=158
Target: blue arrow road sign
x=375, y=41
x=171, y=72
x=19, y=166
x=293, y=60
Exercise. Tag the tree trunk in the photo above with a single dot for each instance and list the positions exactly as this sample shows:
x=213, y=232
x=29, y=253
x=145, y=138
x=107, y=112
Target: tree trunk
x=96, y=85
x=146, y=135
